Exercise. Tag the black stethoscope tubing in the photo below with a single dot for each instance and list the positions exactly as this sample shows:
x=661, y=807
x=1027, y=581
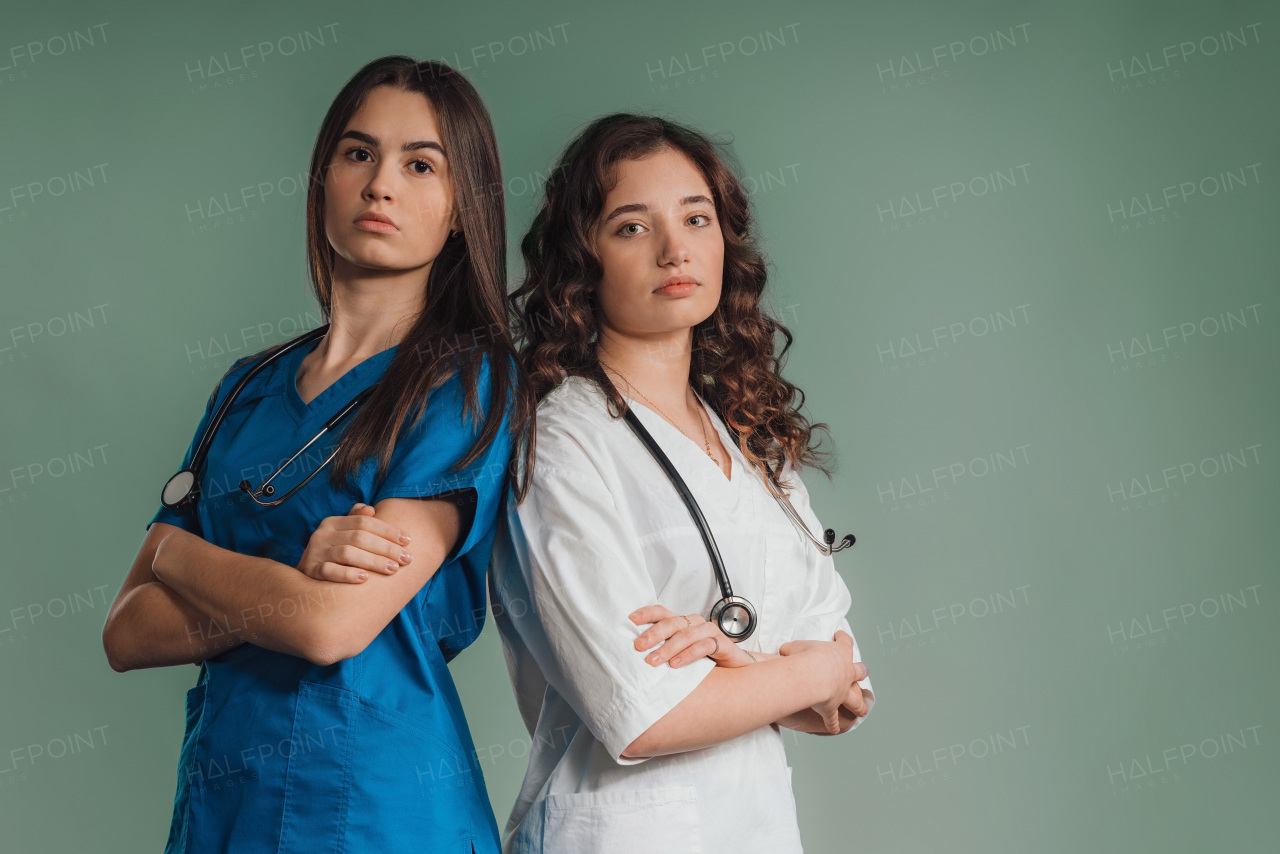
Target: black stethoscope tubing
x=189, y=476
x=735, y=616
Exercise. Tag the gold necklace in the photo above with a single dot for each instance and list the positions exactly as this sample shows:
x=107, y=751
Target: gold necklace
x=705, y=439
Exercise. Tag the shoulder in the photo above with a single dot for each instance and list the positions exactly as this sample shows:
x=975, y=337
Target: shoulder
x=455, y=378
x=237, y=371
x=574, y=427
x=577, y=405
x=448, y=408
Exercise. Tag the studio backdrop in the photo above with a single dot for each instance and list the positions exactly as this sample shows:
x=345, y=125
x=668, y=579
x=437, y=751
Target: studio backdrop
x=1028, y=251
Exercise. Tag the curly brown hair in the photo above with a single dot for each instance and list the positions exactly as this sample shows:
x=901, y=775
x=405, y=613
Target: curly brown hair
x=734, y=366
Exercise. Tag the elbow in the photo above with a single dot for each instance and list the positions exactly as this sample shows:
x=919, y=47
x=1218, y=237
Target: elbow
x=642, y=748
x=112, y=647
x=329, y=644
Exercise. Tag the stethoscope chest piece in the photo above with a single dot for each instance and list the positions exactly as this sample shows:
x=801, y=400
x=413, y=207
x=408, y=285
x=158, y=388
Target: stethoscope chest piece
x=735, y=617
x=178, y=488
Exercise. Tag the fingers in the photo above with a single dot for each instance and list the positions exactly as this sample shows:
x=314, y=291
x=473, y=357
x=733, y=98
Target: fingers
x=831, y=720
x=856, y=702
x=360, y=558
x=330, y=571
x=684, y=646
x=667, y=627
x=372, y=544
x=859, y=671
x=650, y=614
x=702, y=648
x=358, y=520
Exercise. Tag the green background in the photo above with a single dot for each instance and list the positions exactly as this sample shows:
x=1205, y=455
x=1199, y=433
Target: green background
x=1015, y=617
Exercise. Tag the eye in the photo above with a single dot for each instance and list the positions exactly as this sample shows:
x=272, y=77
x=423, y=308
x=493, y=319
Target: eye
x=706, y=220
x=358, y=149
x=623, y=230
x=427, y=163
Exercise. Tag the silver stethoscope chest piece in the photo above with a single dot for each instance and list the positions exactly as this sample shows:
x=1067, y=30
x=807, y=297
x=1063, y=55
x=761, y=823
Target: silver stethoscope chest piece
x=735, y=616
x=178, y=488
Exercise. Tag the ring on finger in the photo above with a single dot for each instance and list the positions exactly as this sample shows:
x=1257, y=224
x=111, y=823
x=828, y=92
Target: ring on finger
x=687, y=623
x=715, y=651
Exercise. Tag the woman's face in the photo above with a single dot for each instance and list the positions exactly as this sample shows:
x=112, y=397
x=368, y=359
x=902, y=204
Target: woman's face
x=390, y=160
x=659, y=243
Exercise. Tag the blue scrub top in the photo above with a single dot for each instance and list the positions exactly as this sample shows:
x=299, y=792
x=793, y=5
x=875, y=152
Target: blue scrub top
x=371, y=753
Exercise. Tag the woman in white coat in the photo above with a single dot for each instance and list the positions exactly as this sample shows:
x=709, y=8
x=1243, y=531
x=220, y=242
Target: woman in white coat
x=652, y=730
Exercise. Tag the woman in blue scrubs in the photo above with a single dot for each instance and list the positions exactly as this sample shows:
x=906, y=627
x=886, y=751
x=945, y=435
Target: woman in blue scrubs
x=324, y=716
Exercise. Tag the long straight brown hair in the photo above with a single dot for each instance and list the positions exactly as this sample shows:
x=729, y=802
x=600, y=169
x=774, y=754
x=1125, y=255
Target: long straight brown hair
x=465, y=310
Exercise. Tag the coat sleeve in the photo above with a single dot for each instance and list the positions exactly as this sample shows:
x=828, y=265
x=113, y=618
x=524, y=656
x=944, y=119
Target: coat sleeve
x=575, y=572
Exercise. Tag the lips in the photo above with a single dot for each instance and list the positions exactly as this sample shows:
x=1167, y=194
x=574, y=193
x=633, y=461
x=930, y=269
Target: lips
x=676, y=283
x=374, y=216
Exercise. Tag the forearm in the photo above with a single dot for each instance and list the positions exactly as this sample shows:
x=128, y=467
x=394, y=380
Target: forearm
x=152, y=626
x=733, y=701
x=258, y=599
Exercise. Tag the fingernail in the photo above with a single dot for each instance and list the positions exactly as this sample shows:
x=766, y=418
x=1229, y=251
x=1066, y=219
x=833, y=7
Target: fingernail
x=652, y=659
x=391, y=567
x=405, y=557
x=675, y=661
x=362, y=576
x=404, y=538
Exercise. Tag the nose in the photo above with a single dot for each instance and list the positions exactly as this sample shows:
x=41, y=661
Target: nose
x=379, y=186
x=673, y=249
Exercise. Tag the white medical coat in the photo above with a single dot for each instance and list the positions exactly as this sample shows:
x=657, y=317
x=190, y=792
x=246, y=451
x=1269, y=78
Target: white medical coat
x=601, y=533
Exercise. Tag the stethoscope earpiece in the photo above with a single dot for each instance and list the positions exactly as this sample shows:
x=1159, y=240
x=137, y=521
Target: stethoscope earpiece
x=830, y=536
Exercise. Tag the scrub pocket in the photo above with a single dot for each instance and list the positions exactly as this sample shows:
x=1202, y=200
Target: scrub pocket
x=366, y=778
x=648, y=820
x=188, y=773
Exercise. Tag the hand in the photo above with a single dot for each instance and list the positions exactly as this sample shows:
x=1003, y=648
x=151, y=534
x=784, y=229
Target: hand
x=344, y=546
x=840, y=673
x=685, y=641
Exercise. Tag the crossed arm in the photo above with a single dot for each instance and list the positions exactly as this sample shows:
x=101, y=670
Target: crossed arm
x=185, y=599
x=809, y=686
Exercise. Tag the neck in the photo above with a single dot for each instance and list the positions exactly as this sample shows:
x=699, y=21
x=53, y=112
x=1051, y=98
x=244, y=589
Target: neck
x=370, y=311
x=654, y=366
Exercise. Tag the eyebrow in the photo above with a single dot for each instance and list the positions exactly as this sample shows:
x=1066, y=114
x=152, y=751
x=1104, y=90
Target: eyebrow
x=416, y=145
x=640, y=207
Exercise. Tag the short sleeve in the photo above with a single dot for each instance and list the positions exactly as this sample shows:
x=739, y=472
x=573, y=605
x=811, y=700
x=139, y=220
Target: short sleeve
x=421, y=463
x=826, y=608
x=185, y=517
x=577, y=571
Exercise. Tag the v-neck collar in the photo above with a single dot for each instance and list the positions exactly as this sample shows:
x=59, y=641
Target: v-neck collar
x=355, y=380
x=687, y=445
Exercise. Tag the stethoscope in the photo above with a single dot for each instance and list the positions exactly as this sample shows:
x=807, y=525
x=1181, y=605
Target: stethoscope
x=182, y=487
x=734, y=614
